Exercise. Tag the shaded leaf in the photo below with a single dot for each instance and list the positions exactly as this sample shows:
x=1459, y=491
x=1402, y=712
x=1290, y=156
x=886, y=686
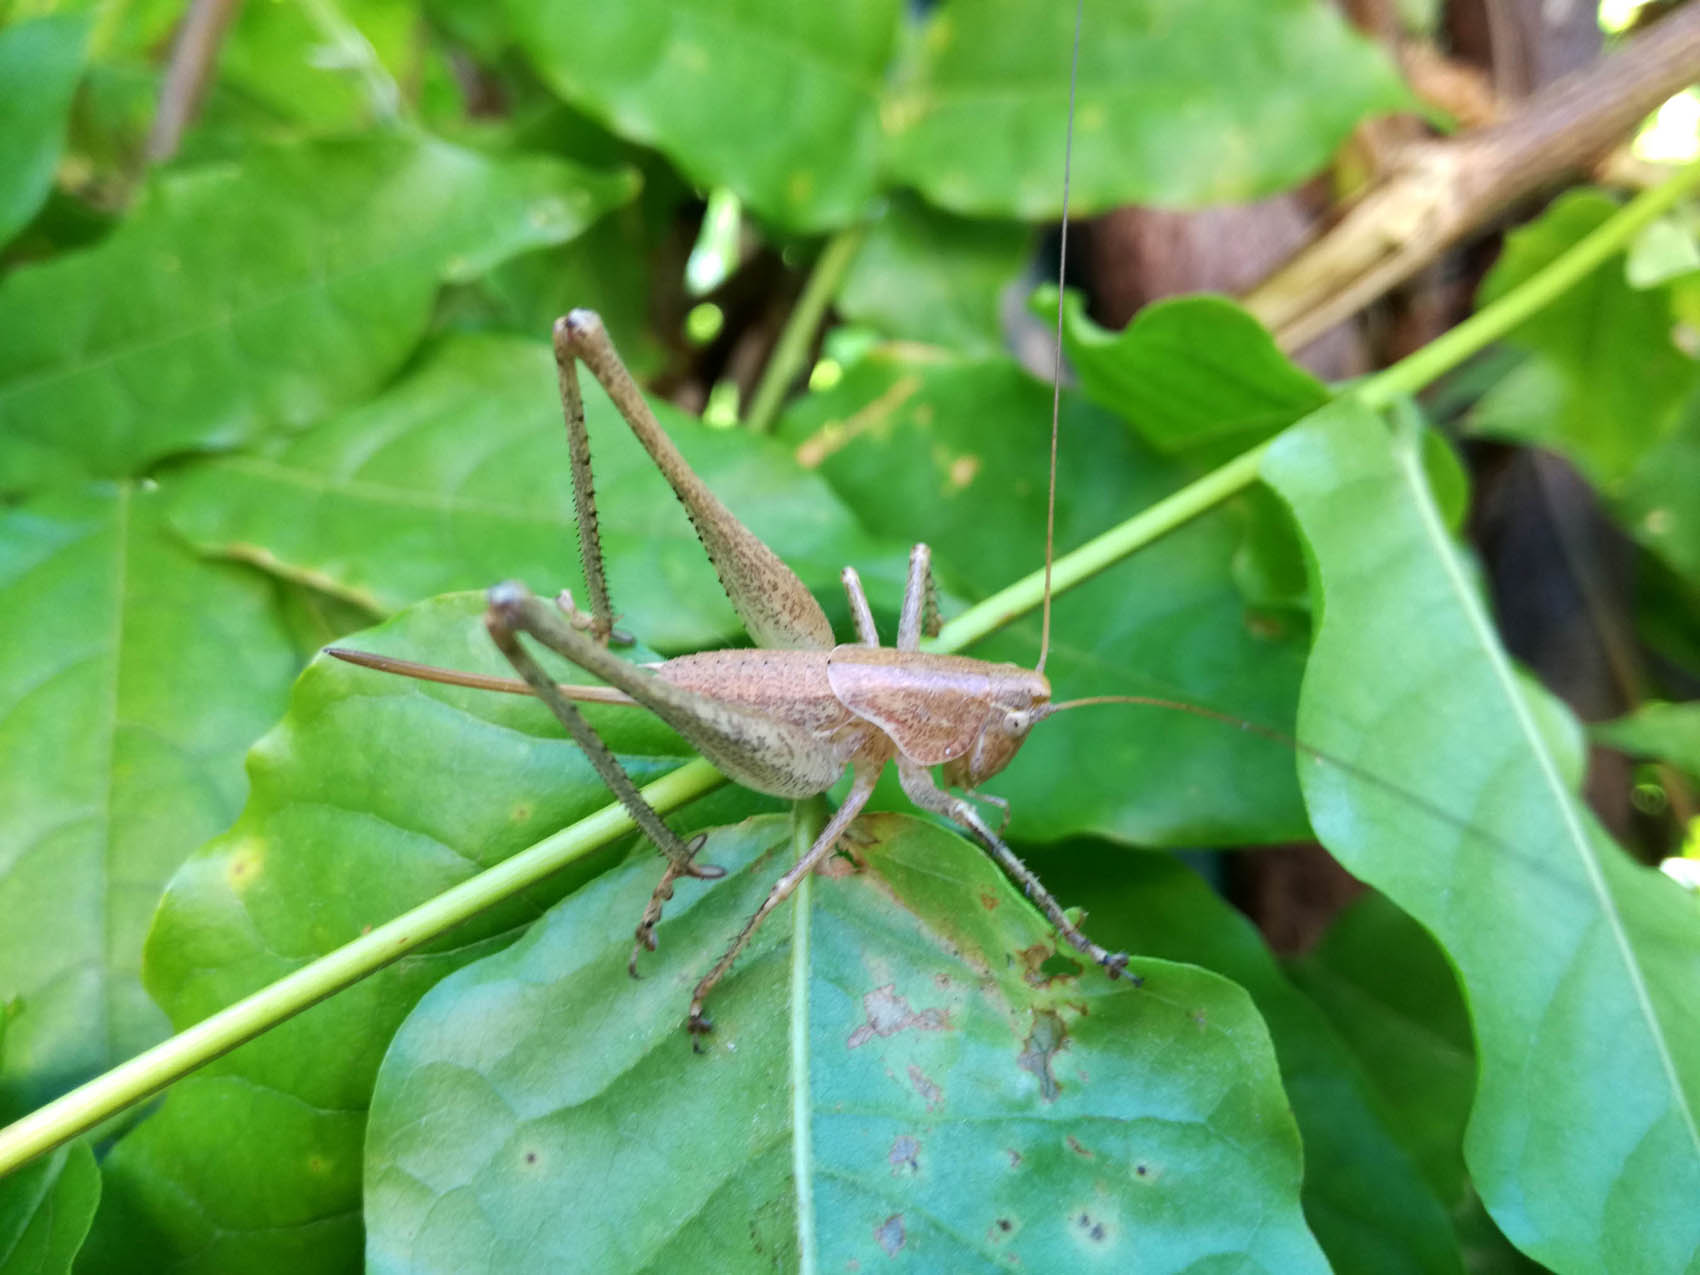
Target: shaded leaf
x=458, y=478
x=41, y=60
x=1581, y=968
x=242, y=297
x=954, y=453
x=1188, y=371
x=922, y=275
x=898, y=1068
x=126, y=702
x=373, y=794
x=778, y=101
x=45, y=1210
x=330, y=67
x=1178, y=104
x=1364, y=1196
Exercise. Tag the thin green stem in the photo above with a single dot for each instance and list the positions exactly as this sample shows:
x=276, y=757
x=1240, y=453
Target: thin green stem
x=147, y=1073
x=785, y=364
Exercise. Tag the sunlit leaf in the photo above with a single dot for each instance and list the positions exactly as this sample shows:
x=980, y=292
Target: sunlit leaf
x=242, y=297
x=1178, y=103
x=777, y=101
x=1189, y=371
x=896, y=1074
x=127, y=698
x=1581, y=968
x=1667, y=732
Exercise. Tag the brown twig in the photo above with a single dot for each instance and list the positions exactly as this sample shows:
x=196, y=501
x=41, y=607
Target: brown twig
x=192, y=56
x=1436, y=192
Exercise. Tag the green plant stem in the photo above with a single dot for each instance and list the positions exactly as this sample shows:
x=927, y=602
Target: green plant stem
x=101, y=1098
x=148, y=1072
x=786, y=362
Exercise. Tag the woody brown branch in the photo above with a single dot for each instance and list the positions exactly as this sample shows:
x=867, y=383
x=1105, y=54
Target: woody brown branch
x=1436, y=192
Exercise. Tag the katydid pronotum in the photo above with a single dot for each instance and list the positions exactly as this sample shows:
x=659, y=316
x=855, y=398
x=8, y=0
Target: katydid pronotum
x=792, y=715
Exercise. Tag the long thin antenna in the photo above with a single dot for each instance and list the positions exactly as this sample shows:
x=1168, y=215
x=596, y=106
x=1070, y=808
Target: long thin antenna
x=1056, y=352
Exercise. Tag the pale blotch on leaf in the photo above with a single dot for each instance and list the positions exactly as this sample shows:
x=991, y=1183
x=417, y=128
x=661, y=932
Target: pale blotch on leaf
x=1091, y=117
x=889, y=1235
x=243, y=866
x=962, y=472
x=904, y=1156
x=690, y=57
x=1656, y=522
x=1092, y=1229
x=799, y=186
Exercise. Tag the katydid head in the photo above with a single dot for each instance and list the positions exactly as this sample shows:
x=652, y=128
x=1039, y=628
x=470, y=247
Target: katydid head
x=1019, y=698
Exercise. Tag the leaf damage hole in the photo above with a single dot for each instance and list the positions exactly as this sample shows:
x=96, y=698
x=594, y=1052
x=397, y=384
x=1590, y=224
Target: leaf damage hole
x=1000, y=1230
x=889, y=1235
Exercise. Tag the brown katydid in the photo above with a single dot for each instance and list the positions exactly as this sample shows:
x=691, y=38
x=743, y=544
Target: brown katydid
x=790, y=716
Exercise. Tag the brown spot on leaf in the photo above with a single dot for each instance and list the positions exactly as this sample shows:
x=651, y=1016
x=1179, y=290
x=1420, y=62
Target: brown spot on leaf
x=1014, y=1156
x=989, y=901
x=1000, y=1229
x=889, y=1234
x=924, y=1085
x=1074, y=1146
x=888, y=1013
x=904, y=1156
x=1091, y=1228
x=1047, y=1036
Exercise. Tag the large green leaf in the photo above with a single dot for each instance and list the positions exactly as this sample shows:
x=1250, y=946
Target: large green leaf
x=954, y=453
x=778, y=101
x=373, y=794
x=894, y=1074
x=40, y=62
x=1189, y=371
x=242, y=297
x=1179, y=103
x=1364, y=1193
x=458, y=478
x=132, y=677
x=804, y=109
x=45, y=1211
x=1582, y=969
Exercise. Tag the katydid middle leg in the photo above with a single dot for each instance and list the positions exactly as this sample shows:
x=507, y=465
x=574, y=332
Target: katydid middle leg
x=918, y=785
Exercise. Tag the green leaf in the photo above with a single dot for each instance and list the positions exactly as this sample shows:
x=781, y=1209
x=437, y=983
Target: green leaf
x=458, y=478
x=895, y=1073
x=238, y=298
x=1364, y=1195
x=922, y=275
x=328, y=67
x=126, y=702
x=1582, y=969
x=41, y=61
x=1178, y=103
x=373, y=794
x=954, y=454
x=1188, y=371
x=1607, y=383
x=45, y=1210
x=778, y=101
x=1666, y=732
